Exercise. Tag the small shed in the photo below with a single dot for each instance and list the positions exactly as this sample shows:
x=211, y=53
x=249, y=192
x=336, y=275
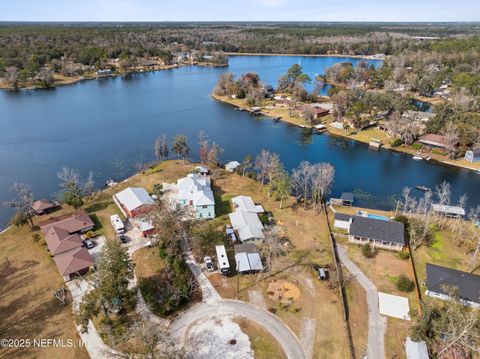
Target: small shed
x=43, y=206
x=347, y=198
x=416, y=350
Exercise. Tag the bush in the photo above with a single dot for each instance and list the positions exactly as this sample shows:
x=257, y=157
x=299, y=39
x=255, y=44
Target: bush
x=264, y=218
x=368, y=251
x=397, y=142
x=403, y=255
x=404, y=284
x=36, y=237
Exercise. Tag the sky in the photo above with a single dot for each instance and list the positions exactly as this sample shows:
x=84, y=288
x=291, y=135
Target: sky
x=240, y=10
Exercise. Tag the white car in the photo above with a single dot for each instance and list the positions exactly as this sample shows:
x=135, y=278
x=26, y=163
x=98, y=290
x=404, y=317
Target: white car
x=209, y=264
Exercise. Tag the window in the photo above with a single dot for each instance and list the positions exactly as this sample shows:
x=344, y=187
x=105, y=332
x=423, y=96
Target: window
x=204, y=207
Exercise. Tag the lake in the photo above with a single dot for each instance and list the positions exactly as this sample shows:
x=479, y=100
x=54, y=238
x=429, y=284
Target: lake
x=108, y=126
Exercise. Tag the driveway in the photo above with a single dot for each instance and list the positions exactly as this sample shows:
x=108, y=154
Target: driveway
x=377, y=324
x=213, y=305
x=225, y=307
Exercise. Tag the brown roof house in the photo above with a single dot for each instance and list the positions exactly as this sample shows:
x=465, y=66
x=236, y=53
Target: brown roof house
x=77, y=222
x=43, y=206
x=65, y=244
x=73, y=263
x=436, y=141
x=316, y=110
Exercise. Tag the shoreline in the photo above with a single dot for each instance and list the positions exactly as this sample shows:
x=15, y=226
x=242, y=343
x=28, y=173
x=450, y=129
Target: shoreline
x=365, y=57
x=65, y=81
x=400, y=149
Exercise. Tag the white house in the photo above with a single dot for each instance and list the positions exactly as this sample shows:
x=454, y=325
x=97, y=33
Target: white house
x=245, y=203
x=247, y=225
x=232, y=166
x=194, y=191
x=134, y=201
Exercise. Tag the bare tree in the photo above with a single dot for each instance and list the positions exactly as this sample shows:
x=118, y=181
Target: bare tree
x=322, y=179
x=203, y=147
x=474, y=217
x=272, y=246
x=406, y=198
x=443, y=192
x=24, y=203
x=12, y=75
x=451, y=138
x=160, y=148
x=302, y=181
x=263, y=165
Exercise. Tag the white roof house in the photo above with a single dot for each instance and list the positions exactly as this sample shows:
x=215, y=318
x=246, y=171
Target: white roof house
x=245, y=203
x=394, y=306
x=195, y=191
x=247, y=258
x=416, y=350
x=231, y=166
x=247, y=224
x=131, y=199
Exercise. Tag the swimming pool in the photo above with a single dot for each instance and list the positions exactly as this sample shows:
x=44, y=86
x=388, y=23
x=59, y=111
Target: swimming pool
x=377, y=216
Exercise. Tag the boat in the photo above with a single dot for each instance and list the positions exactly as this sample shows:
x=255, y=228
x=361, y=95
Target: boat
x=276, y=119
x=423, y=188
x=477, y=172
x=417, y=158
x=320, y=128
x=110, y=183
x=428, y=158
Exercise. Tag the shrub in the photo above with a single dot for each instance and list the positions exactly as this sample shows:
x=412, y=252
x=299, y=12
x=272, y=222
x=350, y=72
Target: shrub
x=404, y=284
x=90, y=234
x=36, y=237
x=397, y=142
x=403, y=255
x=368, y=251
x=264, y=218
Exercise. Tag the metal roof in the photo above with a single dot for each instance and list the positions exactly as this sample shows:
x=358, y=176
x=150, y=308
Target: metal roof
x=448, y=209
x=134, y=197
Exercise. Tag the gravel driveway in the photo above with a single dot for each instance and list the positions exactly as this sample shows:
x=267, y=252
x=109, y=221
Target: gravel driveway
x=376, y=322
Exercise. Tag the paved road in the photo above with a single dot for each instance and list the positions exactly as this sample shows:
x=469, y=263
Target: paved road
x=223, y=307
x=376, y=322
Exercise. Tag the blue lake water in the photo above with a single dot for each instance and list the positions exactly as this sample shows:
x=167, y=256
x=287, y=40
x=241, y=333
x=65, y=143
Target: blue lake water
x=108, y=126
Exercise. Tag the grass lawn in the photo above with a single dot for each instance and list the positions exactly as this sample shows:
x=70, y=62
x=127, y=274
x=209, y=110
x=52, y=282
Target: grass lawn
x=306, y=230
x=27, y=306
x=263, y=344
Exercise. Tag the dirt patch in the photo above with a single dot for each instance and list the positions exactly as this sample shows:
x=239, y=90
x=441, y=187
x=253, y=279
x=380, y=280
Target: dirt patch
x=283, y=291
x=256, y=298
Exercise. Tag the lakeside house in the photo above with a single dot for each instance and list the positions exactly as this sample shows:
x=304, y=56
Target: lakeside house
x=193, y=192
x=448, y=211
x=232, y=166
x=376, y=232
x=420, y=116
x=134, y=201
x=472, y=155
x=416, y=350
x=440, y=278
x=62, y=235
x=248, y=258
x=315, y=109
x=245, y=221
x=44, y=206
x=434, y=141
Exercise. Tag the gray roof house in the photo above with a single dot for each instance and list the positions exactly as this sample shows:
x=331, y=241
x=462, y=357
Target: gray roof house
x=468, y=284
x=379, y=233
x=248, y=258
x=416, y=350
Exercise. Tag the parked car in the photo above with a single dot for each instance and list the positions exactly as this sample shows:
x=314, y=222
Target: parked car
x=89, y=243
x=209, y=264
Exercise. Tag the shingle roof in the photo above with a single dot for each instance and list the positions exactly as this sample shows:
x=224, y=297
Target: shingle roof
x=379, y=230
x=468, y=284
x=59, y=240
x=42, y=204
x=73, y=261
x=347, y=196
x=342, y=216
x=72, y=223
